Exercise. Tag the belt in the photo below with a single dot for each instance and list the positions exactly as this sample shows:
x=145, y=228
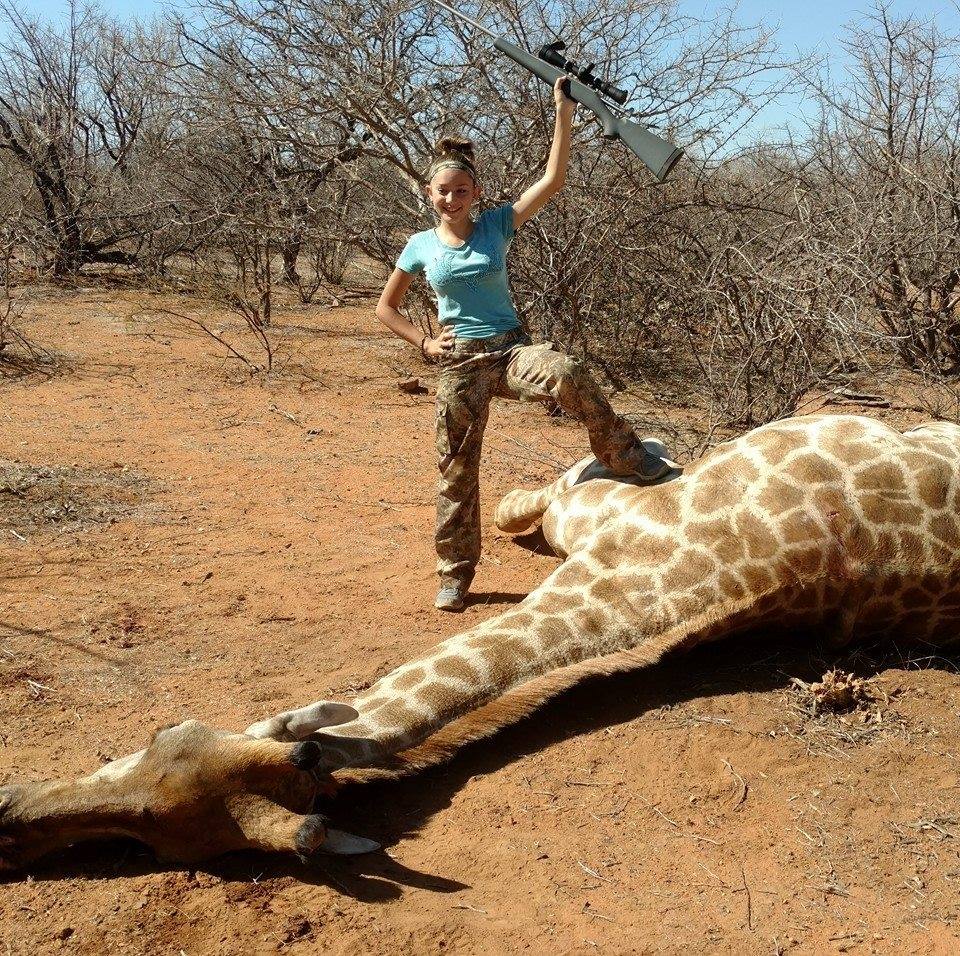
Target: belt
x=494, y=343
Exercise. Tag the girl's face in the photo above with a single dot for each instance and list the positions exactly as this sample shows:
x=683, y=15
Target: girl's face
x=453, y=192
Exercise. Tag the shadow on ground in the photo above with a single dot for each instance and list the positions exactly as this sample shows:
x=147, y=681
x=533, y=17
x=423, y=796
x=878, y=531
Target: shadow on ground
x=374, y=878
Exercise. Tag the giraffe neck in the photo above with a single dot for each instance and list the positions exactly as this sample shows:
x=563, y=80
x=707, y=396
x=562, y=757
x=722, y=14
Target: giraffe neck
x=471, y=669
x=803, y=523
x=582, y=613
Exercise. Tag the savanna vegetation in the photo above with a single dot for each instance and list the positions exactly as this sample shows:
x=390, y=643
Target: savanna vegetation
x=260, y=147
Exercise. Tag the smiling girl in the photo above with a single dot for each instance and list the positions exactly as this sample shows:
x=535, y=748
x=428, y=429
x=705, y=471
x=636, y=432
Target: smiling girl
x=481, y=348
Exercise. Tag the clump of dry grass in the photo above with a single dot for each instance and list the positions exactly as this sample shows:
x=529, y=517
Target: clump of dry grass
x=841, y=710
x=836, y=692
x=37, y=498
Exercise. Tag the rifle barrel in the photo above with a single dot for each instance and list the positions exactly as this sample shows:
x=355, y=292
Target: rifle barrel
x=463, y=16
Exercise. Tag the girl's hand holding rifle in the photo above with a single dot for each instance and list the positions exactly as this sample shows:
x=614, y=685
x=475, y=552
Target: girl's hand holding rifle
x=566, y=107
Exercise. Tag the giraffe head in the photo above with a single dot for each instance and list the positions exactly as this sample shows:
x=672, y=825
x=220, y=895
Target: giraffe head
x=194, y=793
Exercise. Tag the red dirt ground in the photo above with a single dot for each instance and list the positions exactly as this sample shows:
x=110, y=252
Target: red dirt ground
x=203, y=545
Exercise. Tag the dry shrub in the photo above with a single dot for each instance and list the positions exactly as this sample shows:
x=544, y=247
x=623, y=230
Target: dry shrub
x=290, y=145
x=883, y=160
x=12, y=341
x=841, y=711
x=18, y=353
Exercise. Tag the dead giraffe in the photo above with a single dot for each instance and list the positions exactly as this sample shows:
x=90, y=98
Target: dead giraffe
x=827, y=522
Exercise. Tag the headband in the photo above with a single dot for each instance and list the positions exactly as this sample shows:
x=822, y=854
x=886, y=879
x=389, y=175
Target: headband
x=442, y=164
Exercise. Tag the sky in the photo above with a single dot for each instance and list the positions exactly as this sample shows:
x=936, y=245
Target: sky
x=802, y=26
x=816, y=25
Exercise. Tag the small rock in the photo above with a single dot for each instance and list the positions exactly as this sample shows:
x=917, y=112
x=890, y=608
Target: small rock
x=412, y=386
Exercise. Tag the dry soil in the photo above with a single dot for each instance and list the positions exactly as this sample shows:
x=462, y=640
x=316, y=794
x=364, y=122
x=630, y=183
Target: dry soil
x=180, y=540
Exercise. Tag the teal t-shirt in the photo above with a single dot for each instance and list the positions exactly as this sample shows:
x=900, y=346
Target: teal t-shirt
x=470, y=281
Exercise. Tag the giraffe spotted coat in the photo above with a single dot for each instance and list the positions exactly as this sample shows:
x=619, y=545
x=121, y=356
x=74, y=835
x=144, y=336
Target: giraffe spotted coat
x=839, y=524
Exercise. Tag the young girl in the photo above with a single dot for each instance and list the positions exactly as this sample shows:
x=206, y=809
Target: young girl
x=482, y=350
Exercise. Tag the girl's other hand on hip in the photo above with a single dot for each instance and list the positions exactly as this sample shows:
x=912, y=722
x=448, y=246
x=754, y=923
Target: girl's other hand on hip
x=441, y=345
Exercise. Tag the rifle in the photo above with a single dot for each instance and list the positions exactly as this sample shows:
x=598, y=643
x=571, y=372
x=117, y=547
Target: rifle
x=583, y=87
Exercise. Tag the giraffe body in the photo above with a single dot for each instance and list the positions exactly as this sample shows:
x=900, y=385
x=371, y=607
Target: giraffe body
x=825, y=523
x=835, y=523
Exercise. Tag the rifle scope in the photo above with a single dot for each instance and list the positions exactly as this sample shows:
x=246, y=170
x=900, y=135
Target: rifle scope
x=552, y=53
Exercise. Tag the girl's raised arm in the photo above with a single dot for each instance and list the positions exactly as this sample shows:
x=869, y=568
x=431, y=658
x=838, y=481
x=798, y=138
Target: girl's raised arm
x=540, y=193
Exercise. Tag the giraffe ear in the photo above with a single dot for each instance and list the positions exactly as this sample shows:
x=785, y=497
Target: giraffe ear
x=324, y=713
x=346, y=844
x=298, y=724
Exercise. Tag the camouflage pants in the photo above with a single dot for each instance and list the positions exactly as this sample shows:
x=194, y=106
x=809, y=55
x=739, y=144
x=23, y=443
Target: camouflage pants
x=507, y=366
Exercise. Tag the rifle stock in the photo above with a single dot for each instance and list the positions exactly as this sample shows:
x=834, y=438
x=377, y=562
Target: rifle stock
x=655, y=153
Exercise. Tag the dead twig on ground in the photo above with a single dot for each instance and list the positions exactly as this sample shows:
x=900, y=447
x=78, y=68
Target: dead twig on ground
x=287, y=415
x=742, y=795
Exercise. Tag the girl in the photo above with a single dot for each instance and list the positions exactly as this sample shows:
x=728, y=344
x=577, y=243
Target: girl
x=481, y=348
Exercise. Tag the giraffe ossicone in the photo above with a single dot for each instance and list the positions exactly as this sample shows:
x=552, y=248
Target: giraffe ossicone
x=837, y=524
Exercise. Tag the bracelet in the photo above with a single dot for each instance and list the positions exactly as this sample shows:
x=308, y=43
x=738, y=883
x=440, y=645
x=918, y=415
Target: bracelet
x=423, y=342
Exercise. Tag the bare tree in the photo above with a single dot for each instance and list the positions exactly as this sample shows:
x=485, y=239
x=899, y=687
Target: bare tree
x=287, y=141
x=367, y=90
x=76, y=103
x=884, y=162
